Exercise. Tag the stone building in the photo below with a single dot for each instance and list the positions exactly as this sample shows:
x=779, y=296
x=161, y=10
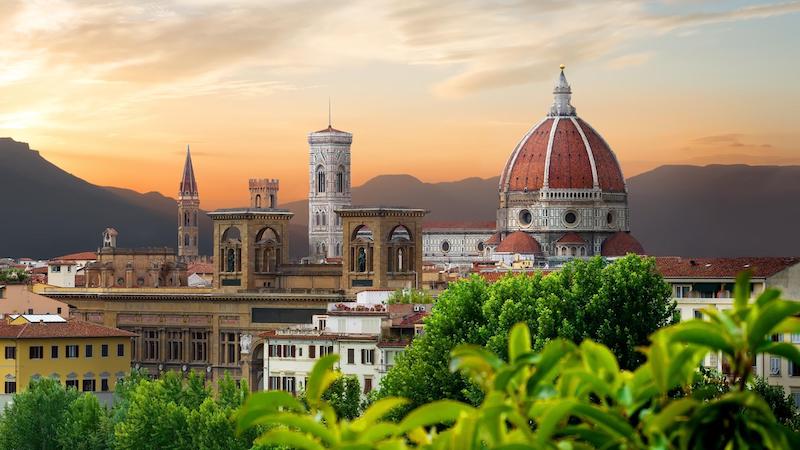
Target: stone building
x=329, y=190
x=188, y=207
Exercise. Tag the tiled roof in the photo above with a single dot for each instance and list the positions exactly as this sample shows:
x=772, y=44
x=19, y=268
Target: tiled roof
x=81, y=256
x=761, y=267
x=188, y=184
x=519, y=242
x=571, y=237
x=312, y=336
x=70, y=329
x=330, y=129
x=200, y=267
x=620, y=244
x=494, y=240
x=463, y=225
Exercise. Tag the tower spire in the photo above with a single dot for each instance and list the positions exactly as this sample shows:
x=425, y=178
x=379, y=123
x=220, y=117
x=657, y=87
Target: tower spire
x=562, y=96
x=329, y=111
x=188, y=186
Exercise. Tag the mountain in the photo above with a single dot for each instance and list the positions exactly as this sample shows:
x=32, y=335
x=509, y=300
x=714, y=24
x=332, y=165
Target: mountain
x=48, y=212
x=715, y=210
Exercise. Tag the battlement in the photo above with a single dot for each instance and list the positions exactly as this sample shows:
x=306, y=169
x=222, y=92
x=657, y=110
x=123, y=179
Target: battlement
x=267, y=184
x=264, y=192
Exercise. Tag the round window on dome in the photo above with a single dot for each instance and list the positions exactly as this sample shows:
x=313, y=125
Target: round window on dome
x=480, y=246
x=610, y=218
x=445, y=246
x=525, y=217
x=570, y=217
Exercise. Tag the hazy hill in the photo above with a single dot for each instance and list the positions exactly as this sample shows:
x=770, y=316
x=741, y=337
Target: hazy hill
x=675, y=210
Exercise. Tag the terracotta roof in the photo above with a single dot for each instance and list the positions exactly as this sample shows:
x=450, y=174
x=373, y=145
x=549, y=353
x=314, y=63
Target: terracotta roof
x=72, y=328
x=311, y=336
x=465, y=225
x=81, y=256
x=494, y=240
x=519, y=242
x=330, y=129
x=761, y=267
x=188, y=186
x=620, y=244
x=200, y=267
x=570, y=160
x=571, y=237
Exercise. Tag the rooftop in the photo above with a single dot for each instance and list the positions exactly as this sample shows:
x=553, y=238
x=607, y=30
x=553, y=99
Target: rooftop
x=66, y=329
x=761, y=267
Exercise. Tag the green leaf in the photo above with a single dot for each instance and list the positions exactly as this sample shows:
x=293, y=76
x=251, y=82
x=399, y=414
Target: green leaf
x=519, y=341
x=768, y=318
x=321, y=376
x=552, y=353
x=377, y=410
x=289, y=438
x=705, y=334
x=785, y=349
x=442, y=411
x=554, y=413
x=670, y=416
x=303, y=423
x=605, y=420
x=741, y=292
x=767, y=296
x=264, y=403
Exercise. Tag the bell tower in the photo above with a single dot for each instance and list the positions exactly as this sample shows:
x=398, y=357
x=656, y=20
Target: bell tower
x=329, y=190
x=188, y=206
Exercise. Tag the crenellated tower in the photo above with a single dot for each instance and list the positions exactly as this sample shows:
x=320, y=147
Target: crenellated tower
x=188, y=207
x=264, y=193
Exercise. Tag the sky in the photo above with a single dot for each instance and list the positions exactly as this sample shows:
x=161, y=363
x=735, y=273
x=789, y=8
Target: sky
x=113, y=92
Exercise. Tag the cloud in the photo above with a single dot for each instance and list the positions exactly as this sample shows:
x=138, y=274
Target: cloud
x=625, y=61
x=725, y=140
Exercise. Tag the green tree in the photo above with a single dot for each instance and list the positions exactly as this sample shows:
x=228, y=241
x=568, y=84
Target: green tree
x=344, y=395
x=406, y=296
x=617, y=304
x=781, y=403
x=85, y=425
x=13, y=275
x=33, y=419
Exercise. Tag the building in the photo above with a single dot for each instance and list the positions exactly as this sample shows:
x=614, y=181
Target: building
x=264, y=193
x=81, y=355
x=19, y=299
x=67, y=270
x=456, y=244
x=188, y=207
x=328, y=190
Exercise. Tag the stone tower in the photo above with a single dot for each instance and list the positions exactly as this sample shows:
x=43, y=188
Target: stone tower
x=263, y=193
x=329, y=190
x=188, y=205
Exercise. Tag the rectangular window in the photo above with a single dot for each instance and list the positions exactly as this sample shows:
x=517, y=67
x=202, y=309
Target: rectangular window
x=72, y=384
x=175, y=346
x=199, y=341
x=151, y=345
x=71, y=351
x=54, y=351
x=351, y=356
x=774, y=365
x=229, y=348
x=683, y=290
x=11, y=387
x=104, y=350
x=794, y=369
x=796, y=398
x=777, y=338
x=274, y=383
x=89, y=350
x=120, y=349
x=11, y=352
x=288, y=384
x=698, y=314
x=58, y=310
x=312, y=351
x=104, y=384
x=795, y=338
x=367, y=385
x=36, y=352
x=88, y=386
x=367, y=356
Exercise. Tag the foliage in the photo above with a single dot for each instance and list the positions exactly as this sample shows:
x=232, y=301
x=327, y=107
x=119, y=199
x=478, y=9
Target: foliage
x=344, y=395
x=33, y=419
x=780, y=403
x=617, y=304
x=85, y=425
x=569, y=396
x=13, y=275
x=407, y=296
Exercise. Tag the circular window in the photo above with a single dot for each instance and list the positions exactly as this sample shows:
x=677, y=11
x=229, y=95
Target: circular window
x=480, y=246
x=445, y=246
x=610, y=218
x=120, y=281
x=525, y=217
x=570, y=217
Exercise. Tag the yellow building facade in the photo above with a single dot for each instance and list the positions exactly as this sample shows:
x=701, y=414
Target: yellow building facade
x=82, y=355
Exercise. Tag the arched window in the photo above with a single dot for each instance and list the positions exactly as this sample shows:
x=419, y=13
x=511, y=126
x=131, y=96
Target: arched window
x=340, y=179
x=231, y=250
x=186, y=219
x=320, y=179
x=258, y=200
x=361, y=250
x=186, y=240
x=271, y=200
x=400, y=250
x=324, y=219
x=267, y=250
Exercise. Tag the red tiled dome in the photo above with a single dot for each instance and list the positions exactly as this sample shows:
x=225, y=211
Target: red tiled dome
x=494, y=240
x=562, y=152
x=519, y=242
x=620, y=244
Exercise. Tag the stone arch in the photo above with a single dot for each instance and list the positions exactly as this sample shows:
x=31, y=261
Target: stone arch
x=258, y=200
x=400, y=250
x=320, y=179
x=267, y=250
x=361, y=249
x=231, y=250
x=340, y=179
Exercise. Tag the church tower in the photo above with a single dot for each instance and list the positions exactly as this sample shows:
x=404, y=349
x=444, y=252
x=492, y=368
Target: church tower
x=188, y=205
x=329, y=190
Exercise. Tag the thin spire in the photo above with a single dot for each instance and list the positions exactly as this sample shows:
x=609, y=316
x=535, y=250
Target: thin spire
x=188, y=185
x=329, y=111
x=562, y=94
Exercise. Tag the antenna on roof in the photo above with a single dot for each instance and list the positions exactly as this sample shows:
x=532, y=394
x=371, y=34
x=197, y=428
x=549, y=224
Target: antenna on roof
x=329, y=111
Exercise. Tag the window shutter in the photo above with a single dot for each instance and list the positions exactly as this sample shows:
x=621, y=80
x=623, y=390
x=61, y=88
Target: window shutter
x=280, y=350
x=312, y=351
x=363, y=360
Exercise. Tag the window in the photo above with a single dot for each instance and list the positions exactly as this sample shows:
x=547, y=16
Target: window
x=698, y=314
x=682, y=290
x=351, y=356
x=445, y=246
x=229, y=348
x=340, y=180
x=777, y=338
x=570, y=217
x=175, y=346
x=367, y=356
x=71, y=351
x=151, y=345
x=89, y=350
x=199, y=346
x=320, y=180
x=325, y=350
x=525, y=217
x=795, y=338
x=367, y=385
x=11, y=352
x=36, y=352
x=120, y=349
x=289, y=384
x=104, y=384
x=774, y=365
x=794, y=369
x=312, y=350
x=56, y=268
x=72, y=384
x=104, y=350
x=322, y=323
x=89, y=385
x=11, y=387
x=54, y=351
x=58, y=310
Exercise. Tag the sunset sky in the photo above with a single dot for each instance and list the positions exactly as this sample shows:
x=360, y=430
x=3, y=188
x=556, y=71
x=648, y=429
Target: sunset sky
x=114, y=91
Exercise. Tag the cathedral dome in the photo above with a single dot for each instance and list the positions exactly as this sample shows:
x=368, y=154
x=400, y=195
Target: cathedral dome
x=519, y=242
x=620, y=244
x=562, y=152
